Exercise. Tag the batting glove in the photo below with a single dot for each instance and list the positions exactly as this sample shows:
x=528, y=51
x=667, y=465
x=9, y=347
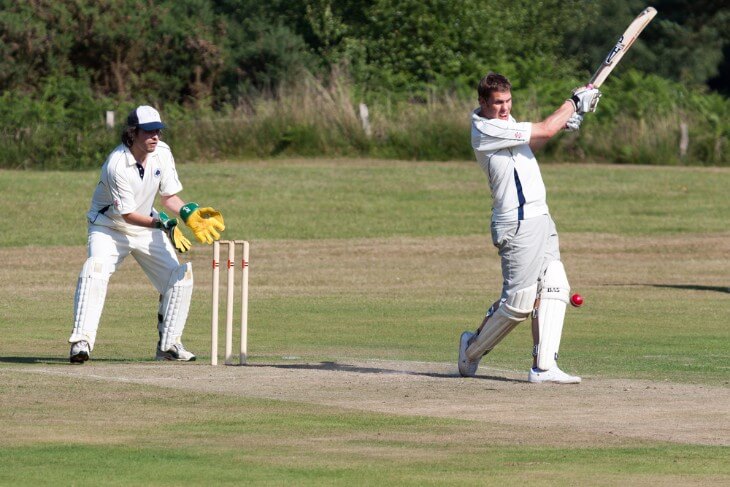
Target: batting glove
x=573, y=123
x=585, y=99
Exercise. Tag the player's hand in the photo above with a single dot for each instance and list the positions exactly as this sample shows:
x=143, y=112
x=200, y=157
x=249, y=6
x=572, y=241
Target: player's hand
x=206, y=223
x=573, y=123
x=169, y=226
x=585, y=99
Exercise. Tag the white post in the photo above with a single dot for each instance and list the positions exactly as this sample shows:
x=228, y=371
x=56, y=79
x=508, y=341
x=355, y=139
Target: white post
x=365, y=119
x=110, y=119
x=683, y=139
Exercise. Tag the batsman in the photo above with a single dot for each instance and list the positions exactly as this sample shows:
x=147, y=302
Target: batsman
x=534, y=279
x=123, y=222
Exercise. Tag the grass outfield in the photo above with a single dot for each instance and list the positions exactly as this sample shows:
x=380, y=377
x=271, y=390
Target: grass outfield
x=363, y=274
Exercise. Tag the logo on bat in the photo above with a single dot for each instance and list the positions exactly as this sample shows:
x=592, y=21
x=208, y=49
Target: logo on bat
x=616, y=49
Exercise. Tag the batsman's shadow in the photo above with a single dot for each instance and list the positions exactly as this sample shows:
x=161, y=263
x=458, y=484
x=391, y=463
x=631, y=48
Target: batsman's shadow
x=696, y=287
x=343, y=367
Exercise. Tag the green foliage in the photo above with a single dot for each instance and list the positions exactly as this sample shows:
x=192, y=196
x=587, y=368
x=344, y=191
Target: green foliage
x=683, y=43
x=260, y=51
x=645, y=127
x=220, y=68
x=62, y=129
x=170, y=51
x=315, y=118
x=416, y=47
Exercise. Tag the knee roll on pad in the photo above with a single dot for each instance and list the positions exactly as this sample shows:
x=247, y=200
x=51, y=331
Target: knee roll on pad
x=174, y=305
x=511, y=312
x=554, y=297
x=89, y=299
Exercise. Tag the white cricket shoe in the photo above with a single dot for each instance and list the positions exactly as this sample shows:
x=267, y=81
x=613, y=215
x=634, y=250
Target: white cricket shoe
x=80, y=352
x=467, y=368
x=177, y=352
x=553, y=375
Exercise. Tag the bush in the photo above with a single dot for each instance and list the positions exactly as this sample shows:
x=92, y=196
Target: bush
x=638, y=121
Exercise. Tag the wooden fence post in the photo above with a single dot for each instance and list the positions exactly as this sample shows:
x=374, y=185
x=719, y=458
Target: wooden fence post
x=110, y=119
x=683, y=139
x=365, y=119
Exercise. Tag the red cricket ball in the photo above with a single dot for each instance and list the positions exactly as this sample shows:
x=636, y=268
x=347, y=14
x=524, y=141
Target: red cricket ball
x=576, y=300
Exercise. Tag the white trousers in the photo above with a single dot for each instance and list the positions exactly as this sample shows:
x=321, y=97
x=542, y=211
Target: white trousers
x=151, y=249
x=107, y=249
x=526, y=248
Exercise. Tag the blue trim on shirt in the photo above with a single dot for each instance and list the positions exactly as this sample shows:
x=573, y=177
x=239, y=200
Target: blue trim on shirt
x=520, y=197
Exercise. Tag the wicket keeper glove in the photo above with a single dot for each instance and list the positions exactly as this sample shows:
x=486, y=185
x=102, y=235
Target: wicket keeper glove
x=204, y=222
x=169, y=226
x=585, y=99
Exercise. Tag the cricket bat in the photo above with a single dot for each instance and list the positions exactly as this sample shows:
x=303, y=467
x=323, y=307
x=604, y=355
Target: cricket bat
x=624, y=43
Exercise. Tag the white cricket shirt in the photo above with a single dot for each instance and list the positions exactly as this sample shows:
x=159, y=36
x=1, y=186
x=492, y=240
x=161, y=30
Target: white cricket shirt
x=123, y=189
x=502, y=150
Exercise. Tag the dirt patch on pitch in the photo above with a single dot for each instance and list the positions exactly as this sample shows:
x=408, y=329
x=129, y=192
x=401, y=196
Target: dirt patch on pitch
x=597, y=411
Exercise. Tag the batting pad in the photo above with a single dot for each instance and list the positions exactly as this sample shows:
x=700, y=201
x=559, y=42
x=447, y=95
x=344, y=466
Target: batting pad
x=174, y=306
x=510, y=313
x=89, y=300
x=554, y=298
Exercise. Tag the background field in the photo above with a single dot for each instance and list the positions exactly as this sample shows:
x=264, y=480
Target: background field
x=363, y=275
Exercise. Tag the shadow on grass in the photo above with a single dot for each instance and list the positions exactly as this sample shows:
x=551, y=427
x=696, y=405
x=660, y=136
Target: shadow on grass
x=60, y=360
x=328, y=366
x=338, y=367
x=695, y=287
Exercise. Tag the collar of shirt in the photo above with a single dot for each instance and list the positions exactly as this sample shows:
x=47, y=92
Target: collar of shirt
x=132, y=161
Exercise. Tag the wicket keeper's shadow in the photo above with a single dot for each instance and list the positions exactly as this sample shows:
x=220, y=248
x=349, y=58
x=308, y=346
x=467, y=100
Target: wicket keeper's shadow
x=60, y=360
x=34, y=360
x=338, y=367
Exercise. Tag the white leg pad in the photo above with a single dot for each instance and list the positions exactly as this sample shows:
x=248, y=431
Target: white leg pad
x=510, y=313
x=89, y=300
x=554, y=298
x=174, y=306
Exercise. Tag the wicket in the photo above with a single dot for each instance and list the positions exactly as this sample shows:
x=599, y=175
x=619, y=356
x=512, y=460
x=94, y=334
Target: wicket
x=231, y=284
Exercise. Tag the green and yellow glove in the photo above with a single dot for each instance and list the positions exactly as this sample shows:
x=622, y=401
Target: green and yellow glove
x=204, y=222
x=169, y=226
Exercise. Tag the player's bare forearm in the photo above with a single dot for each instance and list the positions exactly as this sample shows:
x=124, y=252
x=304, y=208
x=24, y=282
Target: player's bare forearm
x=172, y=203
x=140, y=220
x=545, y=130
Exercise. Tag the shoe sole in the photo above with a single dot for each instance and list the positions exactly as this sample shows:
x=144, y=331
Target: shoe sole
x=170, y=358
x=553, y=381
x=79, y=358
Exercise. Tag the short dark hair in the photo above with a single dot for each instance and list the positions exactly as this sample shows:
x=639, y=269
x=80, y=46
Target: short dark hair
x=491, y=83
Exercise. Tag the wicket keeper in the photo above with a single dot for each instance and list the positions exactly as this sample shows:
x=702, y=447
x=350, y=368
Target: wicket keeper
x=534, y=279
x=122, y=222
